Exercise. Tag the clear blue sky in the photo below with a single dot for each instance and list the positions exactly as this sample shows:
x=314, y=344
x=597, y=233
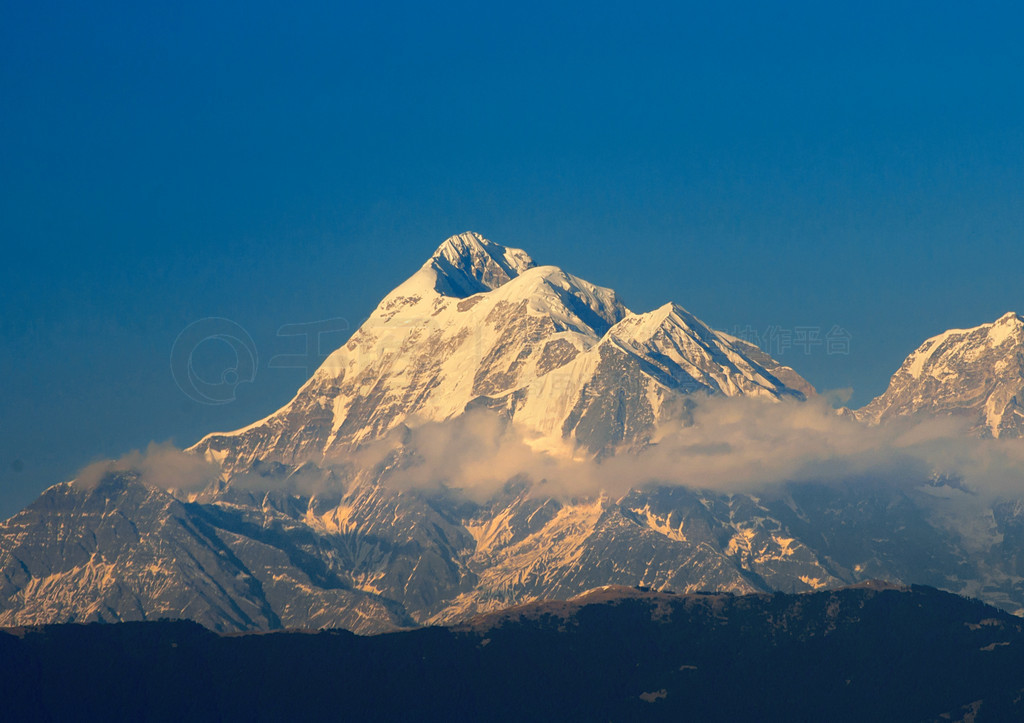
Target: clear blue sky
x=805, y=165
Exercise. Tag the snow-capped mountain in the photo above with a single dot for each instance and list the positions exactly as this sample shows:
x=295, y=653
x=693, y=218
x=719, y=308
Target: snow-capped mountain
x=482, y=325
x=977, y=374
x=303, y=524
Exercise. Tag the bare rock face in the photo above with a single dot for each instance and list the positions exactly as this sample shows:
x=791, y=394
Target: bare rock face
x=976, y=374
x=121, y=550
x=374, y=559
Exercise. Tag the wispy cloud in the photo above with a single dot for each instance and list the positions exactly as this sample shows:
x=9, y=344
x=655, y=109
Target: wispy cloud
x=161, y=466
x=728, y=445
x=732, y=445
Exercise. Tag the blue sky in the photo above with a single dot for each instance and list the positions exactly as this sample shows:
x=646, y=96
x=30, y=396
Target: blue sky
x=803, y=166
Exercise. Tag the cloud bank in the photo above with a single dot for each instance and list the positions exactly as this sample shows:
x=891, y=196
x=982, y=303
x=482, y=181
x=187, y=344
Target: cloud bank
x=730, y=445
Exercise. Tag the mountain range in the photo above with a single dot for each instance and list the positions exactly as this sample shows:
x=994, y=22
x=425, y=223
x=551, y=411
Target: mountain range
x=430, y=471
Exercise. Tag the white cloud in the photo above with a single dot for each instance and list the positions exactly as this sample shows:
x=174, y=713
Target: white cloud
x=732, y=445
x=162, y=466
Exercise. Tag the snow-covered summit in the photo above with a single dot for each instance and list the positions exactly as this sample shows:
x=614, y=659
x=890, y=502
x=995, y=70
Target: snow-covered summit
x=469, y=264
x=976, y=373
x=694, y=355
x=480, y=324
x=462, y=266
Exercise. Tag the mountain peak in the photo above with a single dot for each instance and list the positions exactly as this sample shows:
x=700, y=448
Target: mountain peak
x=479, y=325
x=975, y=373
x=692, y=355
x=467, y=264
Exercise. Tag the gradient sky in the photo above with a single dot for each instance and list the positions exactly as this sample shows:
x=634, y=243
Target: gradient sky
x=811, y=165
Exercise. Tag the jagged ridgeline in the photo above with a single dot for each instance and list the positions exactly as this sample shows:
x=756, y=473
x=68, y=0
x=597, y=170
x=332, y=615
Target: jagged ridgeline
x=977, y=374
x=415, y=478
